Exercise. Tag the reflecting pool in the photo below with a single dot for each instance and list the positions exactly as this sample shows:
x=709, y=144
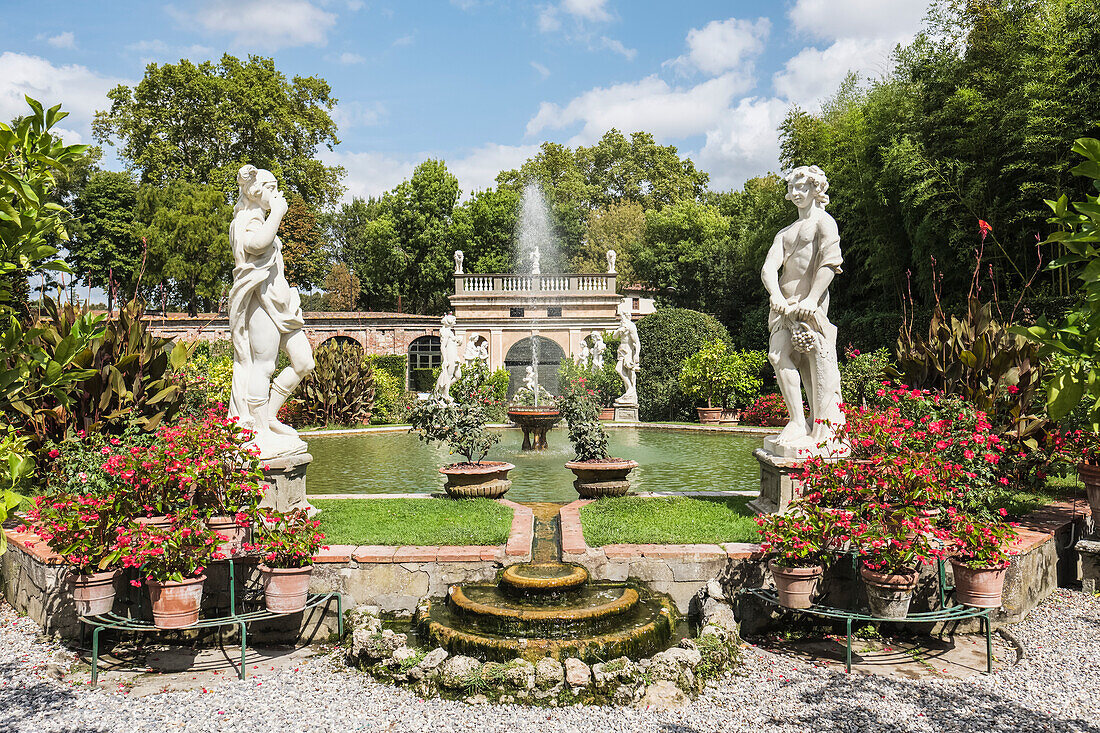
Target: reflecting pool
x=398, y=463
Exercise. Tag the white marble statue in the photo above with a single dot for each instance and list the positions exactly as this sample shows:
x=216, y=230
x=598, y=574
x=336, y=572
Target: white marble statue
x=536, y=268
x=459, y=257
x=611, y=256
x=801, y=264
x=586, y=354
x=629, y=358
x=265, y=315
x=531, y=380
x=477, y=349
x=598, y=349
x=451, y=367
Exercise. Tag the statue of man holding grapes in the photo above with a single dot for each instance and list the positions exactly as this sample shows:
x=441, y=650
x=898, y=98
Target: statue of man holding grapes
x=800, y=266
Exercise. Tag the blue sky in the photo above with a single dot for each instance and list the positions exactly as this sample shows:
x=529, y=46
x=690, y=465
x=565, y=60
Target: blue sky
x=480, y=83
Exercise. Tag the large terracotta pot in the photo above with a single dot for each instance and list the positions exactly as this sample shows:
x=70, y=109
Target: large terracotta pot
x=607, y=414
x=978, y=587
x=597, y=479
x=175, y=603
x=709, y=415
x=487, y=479
x=286, y=590
x=94, y=594
x=236, y=535
x=731, y=417
x=889, y=594
x=1090, y=477
x=795, y=587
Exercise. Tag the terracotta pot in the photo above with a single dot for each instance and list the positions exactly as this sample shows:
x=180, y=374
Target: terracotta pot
x=488, y=479
x=175, y=603
x=795, y=586
x=607, y=414
x=978, y=587
x=889, y=594
x=286, y=589
x=596, y=479
x=1090, y=477
x=731, y=417
x=94, y=594
x=709, y=415
x=236, y=535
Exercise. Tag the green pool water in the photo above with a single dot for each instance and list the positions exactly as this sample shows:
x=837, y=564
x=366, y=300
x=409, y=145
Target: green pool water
x=397, y=463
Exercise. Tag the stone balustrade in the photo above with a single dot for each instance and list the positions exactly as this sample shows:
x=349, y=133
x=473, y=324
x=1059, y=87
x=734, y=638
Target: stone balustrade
x=559, y=284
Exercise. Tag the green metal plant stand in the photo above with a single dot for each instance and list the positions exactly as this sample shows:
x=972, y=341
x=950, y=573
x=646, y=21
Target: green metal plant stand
x=240, y=619
x=945, y=613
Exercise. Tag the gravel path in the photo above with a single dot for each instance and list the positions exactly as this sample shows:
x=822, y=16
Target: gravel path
x=1054, y=688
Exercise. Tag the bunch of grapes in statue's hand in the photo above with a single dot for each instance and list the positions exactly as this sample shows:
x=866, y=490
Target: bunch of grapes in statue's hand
x=802, y=338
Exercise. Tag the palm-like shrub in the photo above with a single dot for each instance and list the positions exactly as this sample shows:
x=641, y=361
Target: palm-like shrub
x=340, y=390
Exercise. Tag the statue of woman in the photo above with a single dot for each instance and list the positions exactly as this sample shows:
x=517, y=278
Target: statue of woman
x=265, y=315
x=452, y=364
x=598, y=349
x=629, y=358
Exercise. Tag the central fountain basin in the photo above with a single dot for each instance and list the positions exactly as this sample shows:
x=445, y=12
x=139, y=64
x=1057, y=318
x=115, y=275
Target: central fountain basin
x=546, y=577
x=534, y=422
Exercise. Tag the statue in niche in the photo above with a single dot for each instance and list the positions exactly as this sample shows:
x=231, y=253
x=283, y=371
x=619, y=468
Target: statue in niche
x=611, y=256
x=459, y=257
x=629, y=358
x=598, y=349
x=452, y=365
x=477, y=349
x=531, y=380
x=801, y=264
x=265, y=315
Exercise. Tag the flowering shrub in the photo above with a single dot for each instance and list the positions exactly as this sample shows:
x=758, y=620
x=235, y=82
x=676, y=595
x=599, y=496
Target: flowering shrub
x=804, y=536
x=75, y=466
x=768, y=411
x=862, y=374
x=1075, y=446
x=181, y=551
x=81, y=528
x=911, y=482
x=893, y=542
x=287, y=540
x=980, y=544
x=582, y=419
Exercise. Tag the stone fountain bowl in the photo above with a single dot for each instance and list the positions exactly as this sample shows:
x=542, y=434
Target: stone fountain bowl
x=526, y=416
x=596, y=479
x=488, y=479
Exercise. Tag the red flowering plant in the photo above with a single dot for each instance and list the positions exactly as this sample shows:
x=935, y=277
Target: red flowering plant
x=176, y=553
x=804, y=536
x=977, y=543
x=287, y=540
x=81, y=528
x=1075, y=446
x=898, y=547
x=768, y=410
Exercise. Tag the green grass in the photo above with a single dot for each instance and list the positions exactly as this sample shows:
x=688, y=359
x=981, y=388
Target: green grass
x=1057, y=487
x=668, y=521
x=414, y=521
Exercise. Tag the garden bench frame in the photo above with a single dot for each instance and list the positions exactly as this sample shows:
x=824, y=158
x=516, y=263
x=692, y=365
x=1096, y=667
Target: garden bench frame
x=945, y=613
x=132, y=624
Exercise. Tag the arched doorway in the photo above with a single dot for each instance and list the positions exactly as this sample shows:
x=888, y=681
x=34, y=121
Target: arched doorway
x=341, y=339
x=425, y=356
x=519, y=358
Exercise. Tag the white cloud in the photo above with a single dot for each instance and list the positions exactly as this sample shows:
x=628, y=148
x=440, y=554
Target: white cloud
x=723, y=45
x=371, y=174
x=358, y=114
x=543, y=71
x=618, y=47
x=259, y=24
x=745, y=143
x=549, y=20
x=348, y=58
x=591, y=10
x=812, y=75
x=871, y=19
x=80, y=90
x=405, y=40
x=355, y=5
x=649, y=104
x=62, y=40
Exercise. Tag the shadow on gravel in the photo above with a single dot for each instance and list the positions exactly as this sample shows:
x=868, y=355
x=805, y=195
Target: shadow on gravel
x=962, y=709
x=39, y=698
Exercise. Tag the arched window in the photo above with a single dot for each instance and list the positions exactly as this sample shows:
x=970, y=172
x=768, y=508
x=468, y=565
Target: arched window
x=425, y=355
x=520, y=356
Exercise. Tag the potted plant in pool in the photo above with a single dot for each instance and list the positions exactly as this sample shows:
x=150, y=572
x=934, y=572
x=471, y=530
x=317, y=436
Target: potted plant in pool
x=598, y=474
x=461, y=426
x=287, y=544
x=172, y=561
x=798, y=543
x=81, y=528
x=979, y=558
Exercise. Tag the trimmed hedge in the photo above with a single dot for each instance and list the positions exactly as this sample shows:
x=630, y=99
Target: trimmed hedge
x=668, y=337
x=394, y=364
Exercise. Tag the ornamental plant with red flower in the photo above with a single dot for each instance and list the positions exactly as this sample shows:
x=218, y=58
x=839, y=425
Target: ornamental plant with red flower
x=287, y=540
x=768, y=410
x=180, y=552
x=898, y=544
x=804, y=536
x=1075, y=446
x=81, y=528
x=980, y=544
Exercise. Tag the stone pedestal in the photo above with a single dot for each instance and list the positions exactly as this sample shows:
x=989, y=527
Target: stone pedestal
x=1089, y=552
x=286, y=483
x=626, y=414
x=778, y=481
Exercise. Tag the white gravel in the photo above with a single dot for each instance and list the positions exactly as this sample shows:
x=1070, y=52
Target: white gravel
x=1054, y=688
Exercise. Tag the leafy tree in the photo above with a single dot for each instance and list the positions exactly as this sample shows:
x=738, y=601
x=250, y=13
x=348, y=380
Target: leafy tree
x=187, y=228
x=668, y=337
x=105, y=249
x=620, y=227
x=483, y=228
x=305, y=254
x=201, y=122
x=341, y=289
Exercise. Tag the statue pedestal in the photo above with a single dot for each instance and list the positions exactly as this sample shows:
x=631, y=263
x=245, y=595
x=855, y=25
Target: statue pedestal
x=626, y=414
x=286, y=483
x=778, y=481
